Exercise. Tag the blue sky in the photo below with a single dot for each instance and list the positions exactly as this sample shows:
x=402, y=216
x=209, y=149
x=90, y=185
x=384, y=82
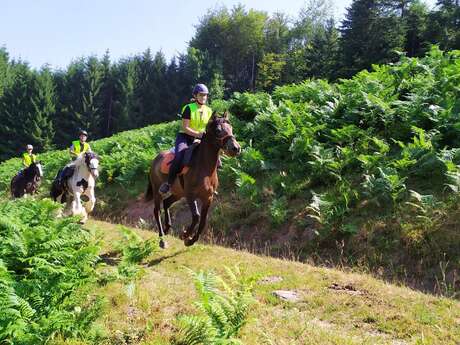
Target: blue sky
x=55, y=32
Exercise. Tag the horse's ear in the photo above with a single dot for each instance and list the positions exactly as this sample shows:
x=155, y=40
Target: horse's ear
x=214, y=116
x=226, y=115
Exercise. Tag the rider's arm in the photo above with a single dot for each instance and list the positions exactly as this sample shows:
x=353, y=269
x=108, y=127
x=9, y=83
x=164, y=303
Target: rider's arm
x=24, y=162
x=186, y=124
x=73, y=154
x=190, y=131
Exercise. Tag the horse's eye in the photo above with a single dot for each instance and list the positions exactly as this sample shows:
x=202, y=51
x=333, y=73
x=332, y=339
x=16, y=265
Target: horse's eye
x=219, y=129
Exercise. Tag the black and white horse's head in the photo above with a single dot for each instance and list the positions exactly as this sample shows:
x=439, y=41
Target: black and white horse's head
x=92, y=162
x=36, y=169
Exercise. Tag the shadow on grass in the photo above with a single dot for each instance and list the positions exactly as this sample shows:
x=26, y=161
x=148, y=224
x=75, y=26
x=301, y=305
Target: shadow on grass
x=157, y=261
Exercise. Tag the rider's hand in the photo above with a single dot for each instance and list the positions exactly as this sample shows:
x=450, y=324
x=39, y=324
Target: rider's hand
x=200, y=135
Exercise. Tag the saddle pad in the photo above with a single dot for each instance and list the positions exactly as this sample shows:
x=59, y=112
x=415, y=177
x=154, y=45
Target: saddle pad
x=166, y=163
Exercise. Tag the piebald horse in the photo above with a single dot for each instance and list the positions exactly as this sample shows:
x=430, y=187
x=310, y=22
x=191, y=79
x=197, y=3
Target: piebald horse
x=82, y=182
x=199, y=183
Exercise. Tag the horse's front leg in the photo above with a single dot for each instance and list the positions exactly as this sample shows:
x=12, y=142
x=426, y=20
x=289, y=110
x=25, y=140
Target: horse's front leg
x=76, y=203
x=80, y=209
x=166, y=205
x=65, y=197
x=195, y=217
x=157, y=216
x=204, y=213
x=89, y=206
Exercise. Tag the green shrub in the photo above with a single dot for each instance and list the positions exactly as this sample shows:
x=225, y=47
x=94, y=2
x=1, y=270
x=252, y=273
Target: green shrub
x=224, y=308
x=47, y=267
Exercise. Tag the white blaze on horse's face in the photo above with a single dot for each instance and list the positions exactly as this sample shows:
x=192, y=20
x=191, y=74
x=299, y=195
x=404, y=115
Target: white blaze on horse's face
x=93, y=166
x=40, y=170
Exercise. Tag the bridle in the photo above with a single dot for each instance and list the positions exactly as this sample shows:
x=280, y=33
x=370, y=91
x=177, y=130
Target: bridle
x=223, y=140
x=88, y=159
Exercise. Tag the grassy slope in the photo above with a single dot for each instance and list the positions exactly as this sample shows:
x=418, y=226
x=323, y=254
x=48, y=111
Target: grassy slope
x=375, y=313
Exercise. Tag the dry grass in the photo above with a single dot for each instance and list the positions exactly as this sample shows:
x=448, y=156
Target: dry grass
x=334, y=307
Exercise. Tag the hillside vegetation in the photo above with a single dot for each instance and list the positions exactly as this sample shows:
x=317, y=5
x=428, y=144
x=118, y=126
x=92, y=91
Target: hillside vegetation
x=364, y=171
x=228, y=49
x=106, y=284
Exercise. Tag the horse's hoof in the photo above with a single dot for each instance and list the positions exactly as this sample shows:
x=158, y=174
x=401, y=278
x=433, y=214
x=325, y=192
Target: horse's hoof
x=189, y=242
x=163, y=244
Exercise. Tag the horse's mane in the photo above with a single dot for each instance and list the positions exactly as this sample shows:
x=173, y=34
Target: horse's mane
x=80, y=159
x=82, y=156
x=31, y=169
x=218, y=120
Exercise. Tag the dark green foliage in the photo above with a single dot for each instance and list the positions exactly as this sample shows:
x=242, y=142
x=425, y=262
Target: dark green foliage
x=443, y=25
x=46, y=267
x=246, y=105
x=26, y=109
x=232, y=50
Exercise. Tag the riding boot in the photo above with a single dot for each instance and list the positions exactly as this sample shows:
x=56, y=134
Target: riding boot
x=165, y=188
x=174, y=169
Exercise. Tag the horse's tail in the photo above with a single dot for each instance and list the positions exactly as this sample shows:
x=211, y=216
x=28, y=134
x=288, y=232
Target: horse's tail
x=149, y=191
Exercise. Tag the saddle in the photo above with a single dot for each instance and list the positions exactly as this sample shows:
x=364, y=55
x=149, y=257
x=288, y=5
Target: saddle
x=168, y=157
x=64, y=174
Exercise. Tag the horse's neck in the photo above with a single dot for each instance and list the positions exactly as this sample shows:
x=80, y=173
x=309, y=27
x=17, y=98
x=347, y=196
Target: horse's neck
x=82, y=171
x=29, y=171
x=207, y=156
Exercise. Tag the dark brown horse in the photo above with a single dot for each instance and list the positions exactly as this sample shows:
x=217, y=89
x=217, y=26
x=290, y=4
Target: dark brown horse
x=27, y=180
x=199, y=183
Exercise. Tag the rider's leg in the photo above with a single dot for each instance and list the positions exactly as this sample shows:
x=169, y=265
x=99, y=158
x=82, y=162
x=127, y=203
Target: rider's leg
x=182, y=143
x=60, y=176
x=174, y=169
x=65, y=173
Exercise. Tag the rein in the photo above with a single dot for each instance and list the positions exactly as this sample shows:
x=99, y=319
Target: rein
x=87, y=162
x=223, y=140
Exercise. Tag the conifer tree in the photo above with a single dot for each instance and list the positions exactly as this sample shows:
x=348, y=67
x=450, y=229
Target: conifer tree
x=371, y=33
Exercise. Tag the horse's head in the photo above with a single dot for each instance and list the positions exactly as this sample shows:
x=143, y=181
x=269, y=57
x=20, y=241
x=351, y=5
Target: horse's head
x=92, y=162
x=36, y=169
x=220, y=130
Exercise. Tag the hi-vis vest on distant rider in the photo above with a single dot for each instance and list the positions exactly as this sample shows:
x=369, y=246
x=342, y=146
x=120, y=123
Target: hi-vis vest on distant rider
x=27, y=159
x=77, y=147
x=198, y=117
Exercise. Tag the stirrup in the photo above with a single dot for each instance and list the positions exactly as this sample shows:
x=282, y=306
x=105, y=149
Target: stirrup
x=166, y=193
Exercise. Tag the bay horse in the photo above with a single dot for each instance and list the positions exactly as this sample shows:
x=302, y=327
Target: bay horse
x=82, y=182
x=27, y=181
x=198, y=183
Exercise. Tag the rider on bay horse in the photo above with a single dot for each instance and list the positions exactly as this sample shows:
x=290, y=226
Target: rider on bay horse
x=195, y=117
x=77, y=147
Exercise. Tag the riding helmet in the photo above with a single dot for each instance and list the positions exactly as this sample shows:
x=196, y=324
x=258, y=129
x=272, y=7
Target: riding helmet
x=200, y=88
